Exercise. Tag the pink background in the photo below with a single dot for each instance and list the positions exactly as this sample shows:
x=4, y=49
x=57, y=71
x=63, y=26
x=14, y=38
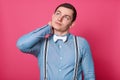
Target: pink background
x=98, y=21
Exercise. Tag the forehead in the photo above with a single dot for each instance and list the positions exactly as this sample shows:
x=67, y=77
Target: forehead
x=65, y=11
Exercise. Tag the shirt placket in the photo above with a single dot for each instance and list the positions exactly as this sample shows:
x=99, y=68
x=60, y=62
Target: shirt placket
x=60, y=46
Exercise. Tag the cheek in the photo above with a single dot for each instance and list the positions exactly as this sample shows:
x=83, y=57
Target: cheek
x=53, y=18
x=67, y=23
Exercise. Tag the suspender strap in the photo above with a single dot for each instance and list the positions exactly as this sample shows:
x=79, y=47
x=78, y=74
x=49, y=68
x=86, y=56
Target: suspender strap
x=45, y=58
x=77, y=59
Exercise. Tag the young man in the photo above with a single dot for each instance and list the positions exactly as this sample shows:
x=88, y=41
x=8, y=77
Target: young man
x=61, y=55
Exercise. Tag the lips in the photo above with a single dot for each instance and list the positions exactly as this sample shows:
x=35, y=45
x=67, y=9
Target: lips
x=58, y=23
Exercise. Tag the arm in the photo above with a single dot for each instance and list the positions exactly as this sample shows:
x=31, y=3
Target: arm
x=87, y=63
x=28, y=42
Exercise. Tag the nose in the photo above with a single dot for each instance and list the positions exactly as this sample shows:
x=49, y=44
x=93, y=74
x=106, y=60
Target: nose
x=60, y=18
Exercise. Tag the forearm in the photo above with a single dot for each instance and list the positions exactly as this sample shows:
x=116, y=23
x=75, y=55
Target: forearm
x=29, y=40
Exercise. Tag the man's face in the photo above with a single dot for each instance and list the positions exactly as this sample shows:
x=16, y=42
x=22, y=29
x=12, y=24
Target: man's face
x=62, y=19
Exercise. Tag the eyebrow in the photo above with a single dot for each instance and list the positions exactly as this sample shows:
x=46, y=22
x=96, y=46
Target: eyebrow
x=58, y=11
x=65, y=14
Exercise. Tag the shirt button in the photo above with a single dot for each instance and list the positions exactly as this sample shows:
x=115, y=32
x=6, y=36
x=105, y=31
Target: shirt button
x=60, y=58
x=60, y=46
x=60, y=70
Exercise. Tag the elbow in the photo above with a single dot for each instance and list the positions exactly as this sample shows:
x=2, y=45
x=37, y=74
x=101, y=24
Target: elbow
x=23, y=47
x=92, y=77
x=20, y=46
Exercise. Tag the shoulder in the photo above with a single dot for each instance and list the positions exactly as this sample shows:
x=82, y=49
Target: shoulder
x=82, y=42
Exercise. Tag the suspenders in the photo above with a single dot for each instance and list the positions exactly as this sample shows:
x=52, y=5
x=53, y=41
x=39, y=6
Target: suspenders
x=76, y=61
x=45, y=58
x=77, y=58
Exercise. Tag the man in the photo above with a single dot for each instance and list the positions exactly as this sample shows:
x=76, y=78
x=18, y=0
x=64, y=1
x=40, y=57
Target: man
x=61, y=55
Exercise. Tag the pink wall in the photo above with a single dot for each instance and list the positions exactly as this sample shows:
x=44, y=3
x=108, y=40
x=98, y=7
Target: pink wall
x=98, y=21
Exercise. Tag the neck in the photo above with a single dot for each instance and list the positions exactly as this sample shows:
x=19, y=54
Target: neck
x=60, y=33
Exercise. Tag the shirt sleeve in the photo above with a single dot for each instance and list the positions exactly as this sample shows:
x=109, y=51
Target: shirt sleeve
x=87, y=62
x=28, y=43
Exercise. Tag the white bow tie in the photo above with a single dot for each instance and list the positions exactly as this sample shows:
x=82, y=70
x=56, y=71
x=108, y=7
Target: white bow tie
x=63, y=38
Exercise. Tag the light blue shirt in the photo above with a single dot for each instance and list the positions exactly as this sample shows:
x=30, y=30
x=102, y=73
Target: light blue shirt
x=60, y=55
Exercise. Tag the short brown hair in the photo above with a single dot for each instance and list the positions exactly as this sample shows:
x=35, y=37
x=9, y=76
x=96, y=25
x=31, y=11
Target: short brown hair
x=70, y=6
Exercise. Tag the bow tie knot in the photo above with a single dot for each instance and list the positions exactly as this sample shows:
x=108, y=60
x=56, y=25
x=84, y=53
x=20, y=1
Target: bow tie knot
x=63, y=38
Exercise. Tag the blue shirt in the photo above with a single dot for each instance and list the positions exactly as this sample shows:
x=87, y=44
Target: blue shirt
x=60, y=55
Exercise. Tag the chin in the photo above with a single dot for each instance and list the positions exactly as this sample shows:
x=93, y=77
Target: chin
x=56, y=26
x=57, y=29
